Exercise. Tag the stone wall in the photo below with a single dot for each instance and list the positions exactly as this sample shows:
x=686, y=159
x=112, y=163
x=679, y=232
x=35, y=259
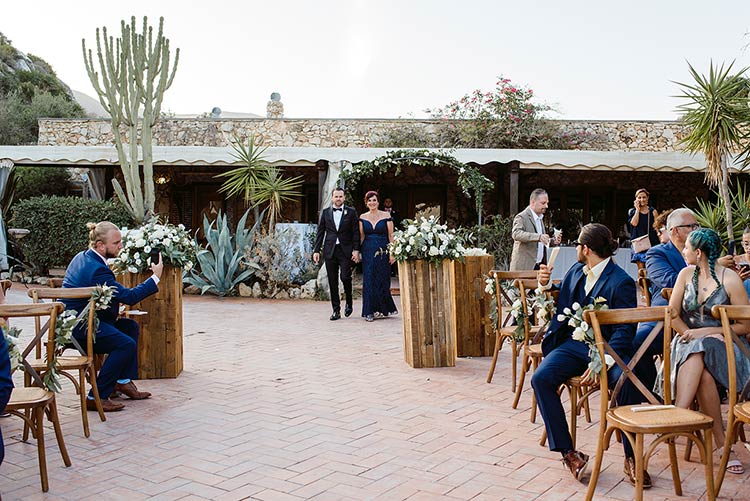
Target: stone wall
x=344, y=133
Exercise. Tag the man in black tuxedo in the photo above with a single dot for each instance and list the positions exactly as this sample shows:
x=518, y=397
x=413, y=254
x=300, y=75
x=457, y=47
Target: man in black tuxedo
x=338, y=238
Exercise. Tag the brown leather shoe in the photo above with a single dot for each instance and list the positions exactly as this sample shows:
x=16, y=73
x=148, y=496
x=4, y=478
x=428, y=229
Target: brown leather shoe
x=629, y=469
x=130, y=391
x=576, y=462
x=107, y=405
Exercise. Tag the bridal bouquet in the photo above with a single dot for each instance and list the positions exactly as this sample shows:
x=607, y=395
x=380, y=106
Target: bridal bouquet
x=177, y=248
x=583, y=332
x=426, y=239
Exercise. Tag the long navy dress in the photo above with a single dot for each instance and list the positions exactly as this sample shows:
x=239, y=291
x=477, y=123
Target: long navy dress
x=376, y=269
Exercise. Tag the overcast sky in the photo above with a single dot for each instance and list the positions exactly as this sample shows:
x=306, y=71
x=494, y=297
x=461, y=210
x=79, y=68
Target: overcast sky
x=394, y=58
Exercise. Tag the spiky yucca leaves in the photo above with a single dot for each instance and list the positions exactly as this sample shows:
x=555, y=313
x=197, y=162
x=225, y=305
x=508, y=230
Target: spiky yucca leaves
x=715, y=111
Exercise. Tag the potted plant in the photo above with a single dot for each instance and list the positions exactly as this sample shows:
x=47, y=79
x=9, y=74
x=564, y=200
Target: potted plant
x=424, y=251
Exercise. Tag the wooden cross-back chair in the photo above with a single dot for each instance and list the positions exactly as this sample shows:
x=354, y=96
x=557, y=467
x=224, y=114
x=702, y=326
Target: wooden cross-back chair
x=738, y=413
x=83, y=362
x=504, y=331
x=531, y=349
x=666, y=422
x=32, y=403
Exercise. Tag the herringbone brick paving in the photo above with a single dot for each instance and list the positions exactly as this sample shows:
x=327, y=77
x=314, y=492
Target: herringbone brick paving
x=276, y=402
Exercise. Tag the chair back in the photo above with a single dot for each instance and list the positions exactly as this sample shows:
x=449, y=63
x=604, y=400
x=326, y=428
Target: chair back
x=37, y=311
x=666, y=293
x=500, y=277
x=524, y=286
x=39, y=294
x=645, y=285
x=598, y=318
x=728, y=314
x=5, y=284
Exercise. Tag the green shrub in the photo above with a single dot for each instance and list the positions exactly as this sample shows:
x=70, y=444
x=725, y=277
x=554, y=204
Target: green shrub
x=282, y=264
x=39, y=181
x=19, y=115
x=495, y=236
x=58, y=227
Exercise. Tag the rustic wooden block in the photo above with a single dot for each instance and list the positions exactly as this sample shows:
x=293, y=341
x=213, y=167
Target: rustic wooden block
x=428, y=313
x=160, y=340
x=475, y=336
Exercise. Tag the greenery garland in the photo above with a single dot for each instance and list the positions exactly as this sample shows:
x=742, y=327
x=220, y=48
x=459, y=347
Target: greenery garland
x=472, y=182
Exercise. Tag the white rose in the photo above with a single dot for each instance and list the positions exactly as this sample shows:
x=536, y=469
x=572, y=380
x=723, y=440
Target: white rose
x=566, y=310
x=140, y=242
x=579, y=334
x=408, y=248
x=576, y=306
x=147, y=249
x=561, y=318
x=434, y=251
x=132, y=269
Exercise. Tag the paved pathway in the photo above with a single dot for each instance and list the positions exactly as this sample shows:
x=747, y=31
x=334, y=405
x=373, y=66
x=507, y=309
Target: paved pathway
x=276, y=402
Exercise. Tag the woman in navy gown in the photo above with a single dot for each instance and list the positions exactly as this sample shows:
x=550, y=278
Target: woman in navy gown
x=376, y=231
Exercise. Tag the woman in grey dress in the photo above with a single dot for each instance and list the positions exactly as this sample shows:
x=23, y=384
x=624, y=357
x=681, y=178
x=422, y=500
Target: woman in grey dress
x=699, y=358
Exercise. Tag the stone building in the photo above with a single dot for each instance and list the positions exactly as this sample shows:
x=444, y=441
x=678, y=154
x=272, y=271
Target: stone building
x=596, y=183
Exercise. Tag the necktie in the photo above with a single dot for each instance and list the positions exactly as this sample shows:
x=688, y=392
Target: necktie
x=590, y=281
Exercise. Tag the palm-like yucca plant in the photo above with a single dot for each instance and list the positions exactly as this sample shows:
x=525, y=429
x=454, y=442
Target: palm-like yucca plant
x=715, y=110
x=712, y=215
x=274, y=189
x=243, y=181
x=222, y=264
x=258, y=182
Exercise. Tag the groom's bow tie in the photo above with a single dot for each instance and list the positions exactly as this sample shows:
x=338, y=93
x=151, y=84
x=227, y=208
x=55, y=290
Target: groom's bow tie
x=339, y=209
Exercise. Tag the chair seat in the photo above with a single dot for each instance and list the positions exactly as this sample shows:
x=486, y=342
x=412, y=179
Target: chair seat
x=657, y=421
x=578, y=382
x=535, y=350
x=510, y=331
x=28, y=396
x=64, y=362
x=742, y=411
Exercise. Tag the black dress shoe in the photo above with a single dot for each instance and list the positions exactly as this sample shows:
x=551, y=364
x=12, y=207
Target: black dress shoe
x=348, y=310
x=336, y=315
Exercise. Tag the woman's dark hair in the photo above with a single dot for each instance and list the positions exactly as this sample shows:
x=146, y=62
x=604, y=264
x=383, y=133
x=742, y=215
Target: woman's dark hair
x=598, y=238
x=370, y=194
x=709, y=242
x=661, y=220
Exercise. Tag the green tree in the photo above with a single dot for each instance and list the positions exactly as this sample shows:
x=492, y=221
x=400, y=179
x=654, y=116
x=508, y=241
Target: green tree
x=39, y=181
x=715, y=111
x=19, y=116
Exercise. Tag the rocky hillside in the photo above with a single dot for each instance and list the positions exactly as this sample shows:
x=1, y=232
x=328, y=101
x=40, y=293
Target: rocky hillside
x=27, y=74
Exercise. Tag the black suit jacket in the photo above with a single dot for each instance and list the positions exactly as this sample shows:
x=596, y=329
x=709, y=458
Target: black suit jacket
x=347, y=234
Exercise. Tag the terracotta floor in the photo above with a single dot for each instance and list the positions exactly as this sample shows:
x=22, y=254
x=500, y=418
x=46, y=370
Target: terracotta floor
x=277, y=402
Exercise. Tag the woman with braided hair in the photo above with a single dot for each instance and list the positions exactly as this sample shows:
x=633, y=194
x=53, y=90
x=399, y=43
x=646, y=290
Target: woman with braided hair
x=699, y=360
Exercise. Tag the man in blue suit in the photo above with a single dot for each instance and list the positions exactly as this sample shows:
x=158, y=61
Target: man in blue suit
x=663, y=263
x=116, y=336
x=594, y=275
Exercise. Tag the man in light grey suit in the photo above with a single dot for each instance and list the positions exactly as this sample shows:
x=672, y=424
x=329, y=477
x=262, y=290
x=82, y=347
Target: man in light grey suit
x=529, y=236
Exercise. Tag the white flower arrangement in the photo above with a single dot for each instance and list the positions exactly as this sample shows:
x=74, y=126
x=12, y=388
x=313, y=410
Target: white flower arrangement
x=475, y=251
x=176, y=245
x=426, y=239
x=12, y=335
x=583, y=332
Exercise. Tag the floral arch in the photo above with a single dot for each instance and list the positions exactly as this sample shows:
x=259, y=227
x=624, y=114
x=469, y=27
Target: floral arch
x=471, y=181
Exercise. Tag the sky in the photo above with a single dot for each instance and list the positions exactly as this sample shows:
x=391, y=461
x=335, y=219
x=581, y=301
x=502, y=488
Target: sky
x=596, y=60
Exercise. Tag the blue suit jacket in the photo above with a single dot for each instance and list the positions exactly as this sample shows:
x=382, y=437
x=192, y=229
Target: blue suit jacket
x=614, y=285
x=87, y=269
x=663, y=263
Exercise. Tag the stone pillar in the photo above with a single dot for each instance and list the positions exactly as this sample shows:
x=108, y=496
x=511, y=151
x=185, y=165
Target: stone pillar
x=275, y=108
x=322, y=166
x=515, y=167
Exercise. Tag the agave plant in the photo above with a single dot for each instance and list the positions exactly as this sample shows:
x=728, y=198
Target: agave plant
x=222, y=265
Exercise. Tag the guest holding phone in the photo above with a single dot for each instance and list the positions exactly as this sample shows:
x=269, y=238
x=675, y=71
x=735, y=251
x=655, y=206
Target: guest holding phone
x=640, y=218
x=742, y=261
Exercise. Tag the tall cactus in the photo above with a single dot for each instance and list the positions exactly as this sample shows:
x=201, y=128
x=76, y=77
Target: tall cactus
x=135, y=73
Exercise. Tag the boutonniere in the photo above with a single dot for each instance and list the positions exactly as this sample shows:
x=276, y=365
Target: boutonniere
x=344, y=212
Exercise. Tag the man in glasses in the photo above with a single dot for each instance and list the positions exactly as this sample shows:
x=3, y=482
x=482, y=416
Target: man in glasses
x=594, y=275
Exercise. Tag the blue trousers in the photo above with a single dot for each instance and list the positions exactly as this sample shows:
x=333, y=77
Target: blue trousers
x=120, y=342
x=569, y=359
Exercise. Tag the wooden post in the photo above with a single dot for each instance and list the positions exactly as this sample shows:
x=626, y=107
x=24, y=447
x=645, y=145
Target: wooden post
x=160, y=340
x=428, y=313
x=475, y=336
x=514, y=187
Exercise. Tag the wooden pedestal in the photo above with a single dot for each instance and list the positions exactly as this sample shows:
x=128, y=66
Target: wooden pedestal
x=428, y=313
x=474, y=334
x=160, y=340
